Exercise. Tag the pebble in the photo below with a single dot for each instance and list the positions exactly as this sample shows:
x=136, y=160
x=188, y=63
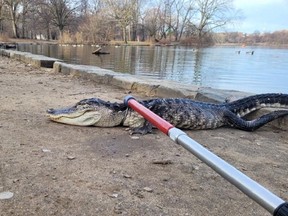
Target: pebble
x=135, y=137
x=114, y=195
x=148, y=189
x=127, y=176
x=196, y=167
x=6, y=195
x=15, y=180
x=71, y=157
x=162, y=162
x=46, y=150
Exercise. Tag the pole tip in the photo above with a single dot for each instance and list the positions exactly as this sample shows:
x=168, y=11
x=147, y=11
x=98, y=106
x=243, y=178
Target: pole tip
x=127, y=98
x=281, y=210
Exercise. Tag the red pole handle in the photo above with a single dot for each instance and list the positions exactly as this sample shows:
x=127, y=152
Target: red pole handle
x=154, y=119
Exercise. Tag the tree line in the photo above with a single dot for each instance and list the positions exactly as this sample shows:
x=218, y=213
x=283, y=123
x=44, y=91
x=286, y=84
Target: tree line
x=100, y=21
x=127, y=20
x=277, y=38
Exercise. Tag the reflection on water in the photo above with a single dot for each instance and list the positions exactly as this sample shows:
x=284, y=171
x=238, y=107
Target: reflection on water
x=217, y=67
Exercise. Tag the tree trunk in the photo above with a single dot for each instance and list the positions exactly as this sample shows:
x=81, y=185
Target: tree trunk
x=199, y=38
x=14, y=28
x=125, y=35
x=23, y=35
x=61, y=31
x=13, y=22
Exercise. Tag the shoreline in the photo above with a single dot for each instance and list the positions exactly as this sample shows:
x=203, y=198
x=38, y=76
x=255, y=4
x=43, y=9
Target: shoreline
x=140, y=43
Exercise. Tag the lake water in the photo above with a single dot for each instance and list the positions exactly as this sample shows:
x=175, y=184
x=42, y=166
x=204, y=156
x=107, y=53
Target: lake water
x=217, y=67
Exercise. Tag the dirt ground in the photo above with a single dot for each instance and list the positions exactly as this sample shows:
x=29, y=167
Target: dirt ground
x=57, y=169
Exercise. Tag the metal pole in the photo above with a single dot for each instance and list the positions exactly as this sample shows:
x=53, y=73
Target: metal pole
x=252, y=189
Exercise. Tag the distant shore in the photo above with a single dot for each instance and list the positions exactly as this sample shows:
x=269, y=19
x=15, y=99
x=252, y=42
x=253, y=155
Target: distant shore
x=143, y=43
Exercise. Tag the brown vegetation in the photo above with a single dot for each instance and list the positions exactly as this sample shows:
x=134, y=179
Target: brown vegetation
x=4, y=37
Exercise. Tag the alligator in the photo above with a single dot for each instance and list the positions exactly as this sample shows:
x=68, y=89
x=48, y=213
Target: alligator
x=180, y=112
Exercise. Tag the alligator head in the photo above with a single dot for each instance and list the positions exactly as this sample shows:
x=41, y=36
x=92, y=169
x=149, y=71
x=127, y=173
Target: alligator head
x=90, y=112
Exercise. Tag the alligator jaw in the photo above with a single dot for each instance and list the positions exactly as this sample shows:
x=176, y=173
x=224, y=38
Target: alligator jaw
x=88, y=112
x=73, y=116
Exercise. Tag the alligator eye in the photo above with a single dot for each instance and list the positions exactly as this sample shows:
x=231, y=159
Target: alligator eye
x=50, y=111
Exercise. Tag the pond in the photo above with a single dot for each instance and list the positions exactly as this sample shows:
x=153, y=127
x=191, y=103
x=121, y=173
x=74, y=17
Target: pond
x=232, y=68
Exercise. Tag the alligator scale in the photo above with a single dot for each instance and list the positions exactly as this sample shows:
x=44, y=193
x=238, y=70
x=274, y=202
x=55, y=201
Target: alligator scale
x=180, y=112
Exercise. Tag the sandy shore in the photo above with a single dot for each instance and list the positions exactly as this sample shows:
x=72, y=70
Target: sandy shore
x=56, y=169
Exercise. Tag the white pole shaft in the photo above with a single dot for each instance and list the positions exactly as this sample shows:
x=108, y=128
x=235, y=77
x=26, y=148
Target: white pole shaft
x=255, y=191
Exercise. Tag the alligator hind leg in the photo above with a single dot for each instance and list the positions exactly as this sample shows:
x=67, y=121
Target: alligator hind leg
x=237, y=122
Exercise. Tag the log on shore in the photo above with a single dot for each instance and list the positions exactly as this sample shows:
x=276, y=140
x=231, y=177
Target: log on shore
x=5, y=45
x=99, y=52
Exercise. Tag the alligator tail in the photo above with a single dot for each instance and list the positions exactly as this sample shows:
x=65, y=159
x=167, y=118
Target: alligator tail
x=234, y=121
x=247, y=105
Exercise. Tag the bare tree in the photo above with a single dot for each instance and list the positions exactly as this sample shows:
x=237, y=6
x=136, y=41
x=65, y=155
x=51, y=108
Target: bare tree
x=13, y=7
x=151, y=22
x=157, y=19
x=183, y=12
x=212, y=14
x=123, y=11
x=96, y=5
x=84, y=7
x=44, y=18
x=26, y=12
x=166, y=18
x=61, y=13
x=98, y=27
x=2, y=17
x=169, y=19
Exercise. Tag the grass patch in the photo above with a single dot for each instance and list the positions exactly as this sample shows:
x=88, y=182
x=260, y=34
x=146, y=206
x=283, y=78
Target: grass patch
x=4, y=37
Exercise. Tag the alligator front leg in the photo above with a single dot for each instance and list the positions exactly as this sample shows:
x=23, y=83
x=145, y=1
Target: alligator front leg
x=237, y=122
x=146, y=128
